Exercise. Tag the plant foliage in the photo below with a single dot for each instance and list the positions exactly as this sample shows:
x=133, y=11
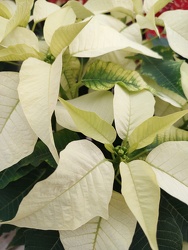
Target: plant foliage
x=93, y=125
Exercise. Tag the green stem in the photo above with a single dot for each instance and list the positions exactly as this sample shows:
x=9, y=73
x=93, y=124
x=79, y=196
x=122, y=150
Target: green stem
x=81, y=70
x=13, y=63
x=138, y=155
x=118, y=181
x=34, y=26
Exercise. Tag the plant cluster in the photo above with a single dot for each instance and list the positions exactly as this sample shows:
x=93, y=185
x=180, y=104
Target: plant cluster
x=93, y=124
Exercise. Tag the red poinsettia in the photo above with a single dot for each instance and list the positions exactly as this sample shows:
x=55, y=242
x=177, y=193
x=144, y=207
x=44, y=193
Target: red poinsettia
x=174, y=5
x=60, y=2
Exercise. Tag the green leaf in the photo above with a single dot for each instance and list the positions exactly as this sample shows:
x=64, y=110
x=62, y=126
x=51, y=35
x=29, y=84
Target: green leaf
x=18, y=239
x=17, y=140
x=38, y=92
x=184, y=77
x=145, y=133
x=126, y=107
x=166, y=52
x=119, y=229
x=168, y=235
x=70, y=74
x=165, y=72
x=6, y=228
x=90, y=123
x=12, y=195
x=83, y=176
x=14, y=173
x=178, y=210
x=43, y=240
x=104, y=75
x=171, y=134
x=40, y=154
x=142, y=195
x=169, y=162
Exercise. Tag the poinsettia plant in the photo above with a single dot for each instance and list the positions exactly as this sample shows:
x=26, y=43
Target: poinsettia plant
x=94, y=129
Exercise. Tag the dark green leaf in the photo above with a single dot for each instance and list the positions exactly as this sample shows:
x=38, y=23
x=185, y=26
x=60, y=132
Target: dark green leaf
x=71, y=67
x=172, y=226
x=13, y=173
x=6, y=228
x=42, y=240
x=40, y=154
x=165, y=72
x=104, y=75
x=18, y=239
x=13, y=193
x=166, y=52
x=178, y=210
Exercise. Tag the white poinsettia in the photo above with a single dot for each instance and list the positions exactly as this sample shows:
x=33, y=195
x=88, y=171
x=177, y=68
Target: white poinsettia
x=83, y=176
x=176, y=30
x=18, y=44
x=38, y=92
x=91, y=114
x=17, y=140
x=82, y=168
x=91, y=235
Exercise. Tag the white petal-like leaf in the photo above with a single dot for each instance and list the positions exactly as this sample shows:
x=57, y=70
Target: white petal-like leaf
x=79, y=9
x=42, y=9
x=169, y=161
x=98, y=6
x=133, y=33
x=145, y=133
x=119, y=229
x=62, y=17
x=17, y=140
x=7, y=8
x=20, y=17
x=38, y=92
x=177, y=30
x=98, y=39
x=90, y=124
x=154, y=4
x=100, y=102
x=63, y=36
x=79, y=190
x=185, y=246
x=21, y=36
x=131, y=109
x=19, y=52
x=138, y=6
x=151, y=8
x=142, y=195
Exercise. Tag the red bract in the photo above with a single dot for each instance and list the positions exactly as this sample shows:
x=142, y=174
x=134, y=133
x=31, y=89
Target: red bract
x=60, y=2
x=175, y=5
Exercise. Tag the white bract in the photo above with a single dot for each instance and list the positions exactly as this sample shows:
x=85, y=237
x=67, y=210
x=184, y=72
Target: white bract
x=84, y=70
